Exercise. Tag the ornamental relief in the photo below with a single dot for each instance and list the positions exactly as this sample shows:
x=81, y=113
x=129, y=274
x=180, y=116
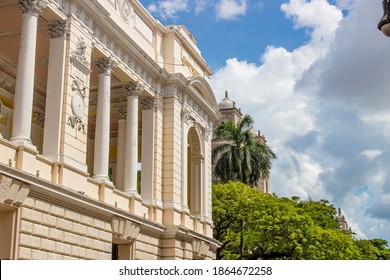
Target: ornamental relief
x=100, y=37
x=78, y=106
x=126, y=11
x=80, y=54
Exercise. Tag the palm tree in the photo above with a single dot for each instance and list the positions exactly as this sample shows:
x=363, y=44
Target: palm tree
x=239, y=155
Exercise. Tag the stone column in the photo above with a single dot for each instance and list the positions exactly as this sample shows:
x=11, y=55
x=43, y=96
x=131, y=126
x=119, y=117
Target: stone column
x=102, y=130
x=184, y=159
x=24, y=88
x=148, y=123
x=55, y=90
x=120, y=154
x=133, y=91
x=1, y=116
x=206, y=173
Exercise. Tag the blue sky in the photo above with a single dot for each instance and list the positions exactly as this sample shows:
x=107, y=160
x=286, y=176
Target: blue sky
x=314, y=75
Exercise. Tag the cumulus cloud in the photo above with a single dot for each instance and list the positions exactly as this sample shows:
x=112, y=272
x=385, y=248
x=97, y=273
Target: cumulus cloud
x=323, y=108
x=284, y=115
x=168, y=9
x=230, y=9
x=224, y=9
x=371, y=154
x=381, y=209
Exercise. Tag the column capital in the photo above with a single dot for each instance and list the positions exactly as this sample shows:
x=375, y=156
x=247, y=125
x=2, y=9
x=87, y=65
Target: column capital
x=39, y=118
x=148, y=103
x=32, y=6
x=105, y=65
x=186, y=115
x=57, y=29
x=121, y=112
x=207, y=132
x=134, y=88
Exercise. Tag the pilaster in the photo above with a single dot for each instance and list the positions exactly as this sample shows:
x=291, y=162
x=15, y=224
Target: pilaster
x=74, y=118
x=148, y=135
x=172, y=149
x=55, y=89
x=120, y=160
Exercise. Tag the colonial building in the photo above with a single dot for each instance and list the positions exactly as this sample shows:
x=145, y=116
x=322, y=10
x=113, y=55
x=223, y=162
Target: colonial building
x=340, y=218
x=229, y=112
x=92, y=94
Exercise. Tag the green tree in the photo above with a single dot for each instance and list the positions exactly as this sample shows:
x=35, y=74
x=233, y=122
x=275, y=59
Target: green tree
x=374, y=249
x=253, y=225
x=239, y=156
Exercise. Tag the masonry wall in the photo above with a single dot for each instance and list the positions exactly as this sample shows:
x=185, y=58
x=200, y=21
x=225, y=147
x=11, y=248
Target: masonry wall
x=50, y=231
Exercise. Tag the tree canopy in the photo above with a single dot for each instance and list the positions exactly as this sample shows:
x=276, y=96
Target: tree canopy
x=254, y=225
x=239, y=155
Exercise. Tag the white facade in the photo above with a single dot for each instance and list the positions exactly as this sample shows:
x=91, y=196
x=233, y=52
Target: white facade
x=92, y=92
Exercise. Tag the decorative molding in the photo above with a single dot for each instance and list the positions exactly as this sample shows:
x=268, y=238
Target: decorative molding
x=200, y=248
x=80, y=53
x=186, y=116
x=77, y=122
x=192, y=69
x=121, y=112
x=12, y=192
x=172, y=91
x=32, y=6
x=105, y=65
x=7, y=84
x=148, y=103
x=206, y=132
x=134, y=89
x=39, y=118
x=78, y=106
x=78, y=86
x=58, y=29
x=126, y=11
x=124, y=229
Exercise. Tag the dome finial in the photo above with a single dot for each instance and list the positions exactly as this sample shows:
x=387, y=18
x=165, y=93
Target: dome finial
x=226, y=94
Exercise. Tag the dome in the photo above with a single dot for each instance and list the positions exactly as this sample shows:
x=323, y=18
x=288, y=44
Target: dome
x=226, y=103
x=255, y=132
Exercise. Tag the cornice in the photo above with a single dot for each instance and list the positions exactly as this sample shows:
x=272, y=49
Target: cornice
x=124, y=40
x=70, y=198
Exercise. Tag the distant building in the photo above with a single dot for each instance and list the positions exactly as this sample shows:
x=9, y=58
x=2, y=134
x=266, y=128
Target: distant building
x=340, y=218
x=227, y=108
x=92, y=92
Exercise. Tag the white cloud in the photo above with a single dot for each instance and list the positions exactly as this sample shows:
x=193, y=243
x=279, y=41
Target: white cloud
x=371, y=154
x=318, y=15
x=224, y=9
x=230, y=9
x=267, y=92
x=168, y=9
x=323, y=108
x=201, y=5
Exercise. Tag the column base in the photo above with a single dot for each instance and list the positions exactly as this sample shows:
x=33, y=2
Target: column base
x=185, y=209
x=132, y=193
x=54, y=157
x=23, y=142
x=153, y=201
x=101, y=178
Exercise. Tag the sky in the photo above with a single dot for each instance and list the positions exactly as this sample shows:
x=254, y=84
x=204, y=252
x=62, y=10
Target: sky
x=314, y=76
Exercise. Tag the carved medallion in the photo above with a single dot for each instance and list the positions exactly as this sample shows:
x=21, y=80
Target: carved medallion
x=126, y=10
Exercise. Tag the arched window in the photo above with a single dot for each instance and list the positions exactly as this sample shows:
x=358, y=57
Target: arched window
x=195, y=181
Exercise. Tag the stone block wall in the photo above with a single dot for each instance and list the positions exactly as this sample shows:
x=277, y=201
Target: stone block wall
x=50, y=231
